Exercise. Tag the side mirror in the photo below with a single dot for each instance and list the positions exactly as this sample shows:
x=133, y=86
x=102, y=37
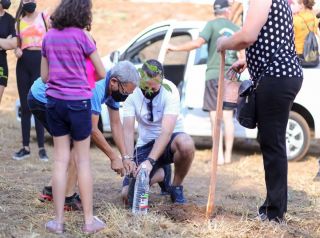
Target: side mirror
x=114, y=56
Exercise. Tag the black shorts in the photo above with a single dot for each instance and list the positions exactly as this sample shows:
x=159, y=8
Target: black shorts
x=66, y=117
x=3, y=72
x=141, y=154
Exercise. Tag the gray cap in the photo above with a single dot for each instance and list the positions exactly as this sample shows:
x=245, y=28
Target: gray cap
x=125, y=72
x=220, y=5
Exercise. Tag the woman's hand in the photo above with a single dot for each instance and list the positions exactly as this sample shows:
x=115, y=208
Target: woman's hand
x=18, y=52
x=221, y=43
x=239, y=66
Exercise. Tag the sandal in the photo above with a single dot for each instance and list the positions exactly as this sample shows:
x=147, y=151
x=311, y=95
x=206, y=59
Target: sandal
x=54, y=227
x=96, y=226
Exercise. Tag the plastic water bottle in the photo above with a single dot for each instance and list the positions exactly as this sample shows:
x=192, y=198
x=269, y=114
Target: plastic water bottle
x=141, y=192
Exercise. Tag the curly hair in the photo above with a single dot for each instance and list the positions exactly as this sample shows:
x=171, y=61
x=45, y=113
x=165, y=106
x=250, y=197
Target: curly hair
x=307, y=3
x=72, y=13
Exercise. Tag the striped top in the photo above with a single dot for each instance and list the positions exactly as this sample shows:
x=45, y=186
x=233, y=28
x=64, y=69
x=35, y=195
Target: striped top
x=66, y=51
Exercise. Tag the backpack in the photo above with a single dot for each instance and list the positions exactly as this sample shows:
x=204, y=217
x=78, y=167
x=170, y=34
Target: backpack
x=310, y=50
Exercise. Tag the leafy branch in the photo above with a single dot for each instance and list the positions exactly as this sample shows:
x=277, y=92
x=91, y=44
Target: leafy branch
x=145, y=78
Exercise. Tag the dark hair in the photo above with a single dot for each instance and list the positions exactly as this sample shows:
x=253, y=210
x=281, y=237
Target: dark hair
x=72, y=13
x=153, y=68
x=19, y=14
x=307, y=3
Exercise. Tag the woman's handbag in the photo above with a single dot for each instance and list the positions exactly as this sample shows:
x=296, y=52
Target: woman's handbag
x=246, y=105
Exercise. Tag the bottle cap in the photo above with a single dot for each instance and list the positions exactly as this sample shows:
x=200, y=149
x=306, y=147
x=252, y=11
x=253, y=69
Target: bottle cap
x=143, y=166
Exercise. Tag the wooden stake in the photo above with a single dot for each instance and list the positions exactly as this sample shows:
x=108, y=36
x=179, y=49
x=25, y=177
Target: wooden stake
x=216, y=137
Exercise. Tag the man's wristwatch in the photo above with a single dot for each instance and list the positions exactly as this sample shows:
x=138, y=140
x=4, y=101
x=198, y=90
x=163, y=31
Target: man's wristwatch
x=152, y=161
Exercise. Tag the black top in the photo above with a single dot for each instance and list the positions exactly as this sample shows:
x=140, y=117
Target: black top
x=6, y=27
x=278, y=31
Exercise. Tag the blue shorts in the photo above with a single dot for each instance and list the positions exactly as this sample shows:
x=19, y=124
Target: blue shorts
x=67, y=117
x=141, y=154
x=38, y=109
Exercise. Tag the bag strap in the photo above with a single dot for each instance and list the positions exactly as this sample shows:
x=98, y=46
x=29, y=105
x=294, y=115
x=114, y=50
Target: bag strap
x=44, y=21
x=305, y=23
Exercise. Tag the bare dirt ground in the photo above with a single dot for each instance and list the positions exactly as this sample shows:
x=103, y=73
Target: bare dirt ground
x=240, y=186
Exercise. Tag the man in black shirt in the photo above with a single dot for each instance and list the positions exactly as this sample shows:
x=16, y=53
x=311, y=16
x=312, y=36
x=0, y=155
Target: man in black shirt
x=8, y=41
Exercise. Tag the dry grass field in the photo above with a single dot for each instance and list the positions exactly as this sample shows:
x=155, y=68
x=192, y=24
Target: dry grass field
x=240, y=185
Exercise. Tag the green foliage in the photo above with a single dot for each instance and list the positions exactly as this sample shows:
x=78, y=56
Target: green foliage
x=145, y=78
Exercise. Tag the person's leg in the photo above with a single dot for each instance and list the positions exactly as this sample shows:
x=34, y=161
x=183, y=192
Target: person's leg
x=274, y=99
x=317, y=177
x=1, y=92
x=72, y=175
x=3, y=76
x=61, y=155
x=210, y=105
x=157, y=177
x=34, y=71
x=183, y=150
x=228, y=134
x=82, y=158
x=220, y=151
x=23, y=90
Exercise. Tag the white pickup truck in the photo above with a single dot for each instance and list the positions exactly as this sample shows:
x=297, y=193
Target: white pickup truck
x=187, y=71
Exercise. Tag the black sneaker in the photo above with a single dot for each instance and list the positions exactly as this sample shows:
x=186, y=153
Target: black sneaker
x=21, y=154
x=176, y=193
x=43, y=155
x=73, y=203
x=165, y=184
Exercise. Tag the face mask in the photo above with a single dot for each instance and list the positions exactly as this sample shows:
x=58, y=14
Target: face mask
x=150, y=95
x=29, y=7
x=5, y=4
x=118, y=97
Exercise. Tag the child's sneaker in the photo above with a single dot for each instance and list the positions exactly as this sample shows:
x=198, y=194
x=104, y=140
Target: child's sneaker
x=21, y=154
x=46, y=194
x=95, y=226
x=73, y=203
x=43, y=155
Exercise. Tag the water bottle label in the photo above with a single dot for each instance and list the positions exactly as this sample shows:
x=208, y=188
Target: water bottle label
x=143, y=204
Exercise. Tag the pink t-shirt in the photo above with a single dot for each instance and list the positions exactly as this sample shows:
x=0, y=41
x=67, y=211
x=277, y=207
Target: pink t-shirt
x=66, y=51
x=91, y=73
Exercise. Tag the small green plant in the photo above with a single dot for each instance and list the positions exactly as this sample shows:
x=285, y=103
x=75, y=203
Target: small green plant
x=145, y=78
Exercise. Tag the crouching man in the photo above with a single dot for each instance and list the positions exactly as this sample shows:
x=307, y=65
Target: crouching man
x=161, y=140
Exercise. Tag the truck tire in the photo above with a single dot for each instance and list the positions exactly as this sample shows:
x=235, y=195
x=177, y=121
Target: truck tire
x=297, y=137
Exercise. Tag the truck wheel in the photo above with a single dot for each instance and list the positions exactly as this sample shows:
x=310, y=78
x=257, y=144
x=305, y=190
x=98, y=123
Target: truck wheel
x=297, y=137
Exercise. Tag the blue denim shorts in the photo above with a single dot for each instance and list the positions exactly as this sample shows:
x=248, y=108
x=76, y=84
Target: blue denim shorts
x=141, y=154
x=69, y=118
x=38, y=109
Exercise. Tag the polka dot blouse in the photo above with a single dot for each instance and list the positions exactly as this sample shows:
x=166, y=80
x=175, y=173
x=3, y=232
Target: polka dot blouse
x=278, y=31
